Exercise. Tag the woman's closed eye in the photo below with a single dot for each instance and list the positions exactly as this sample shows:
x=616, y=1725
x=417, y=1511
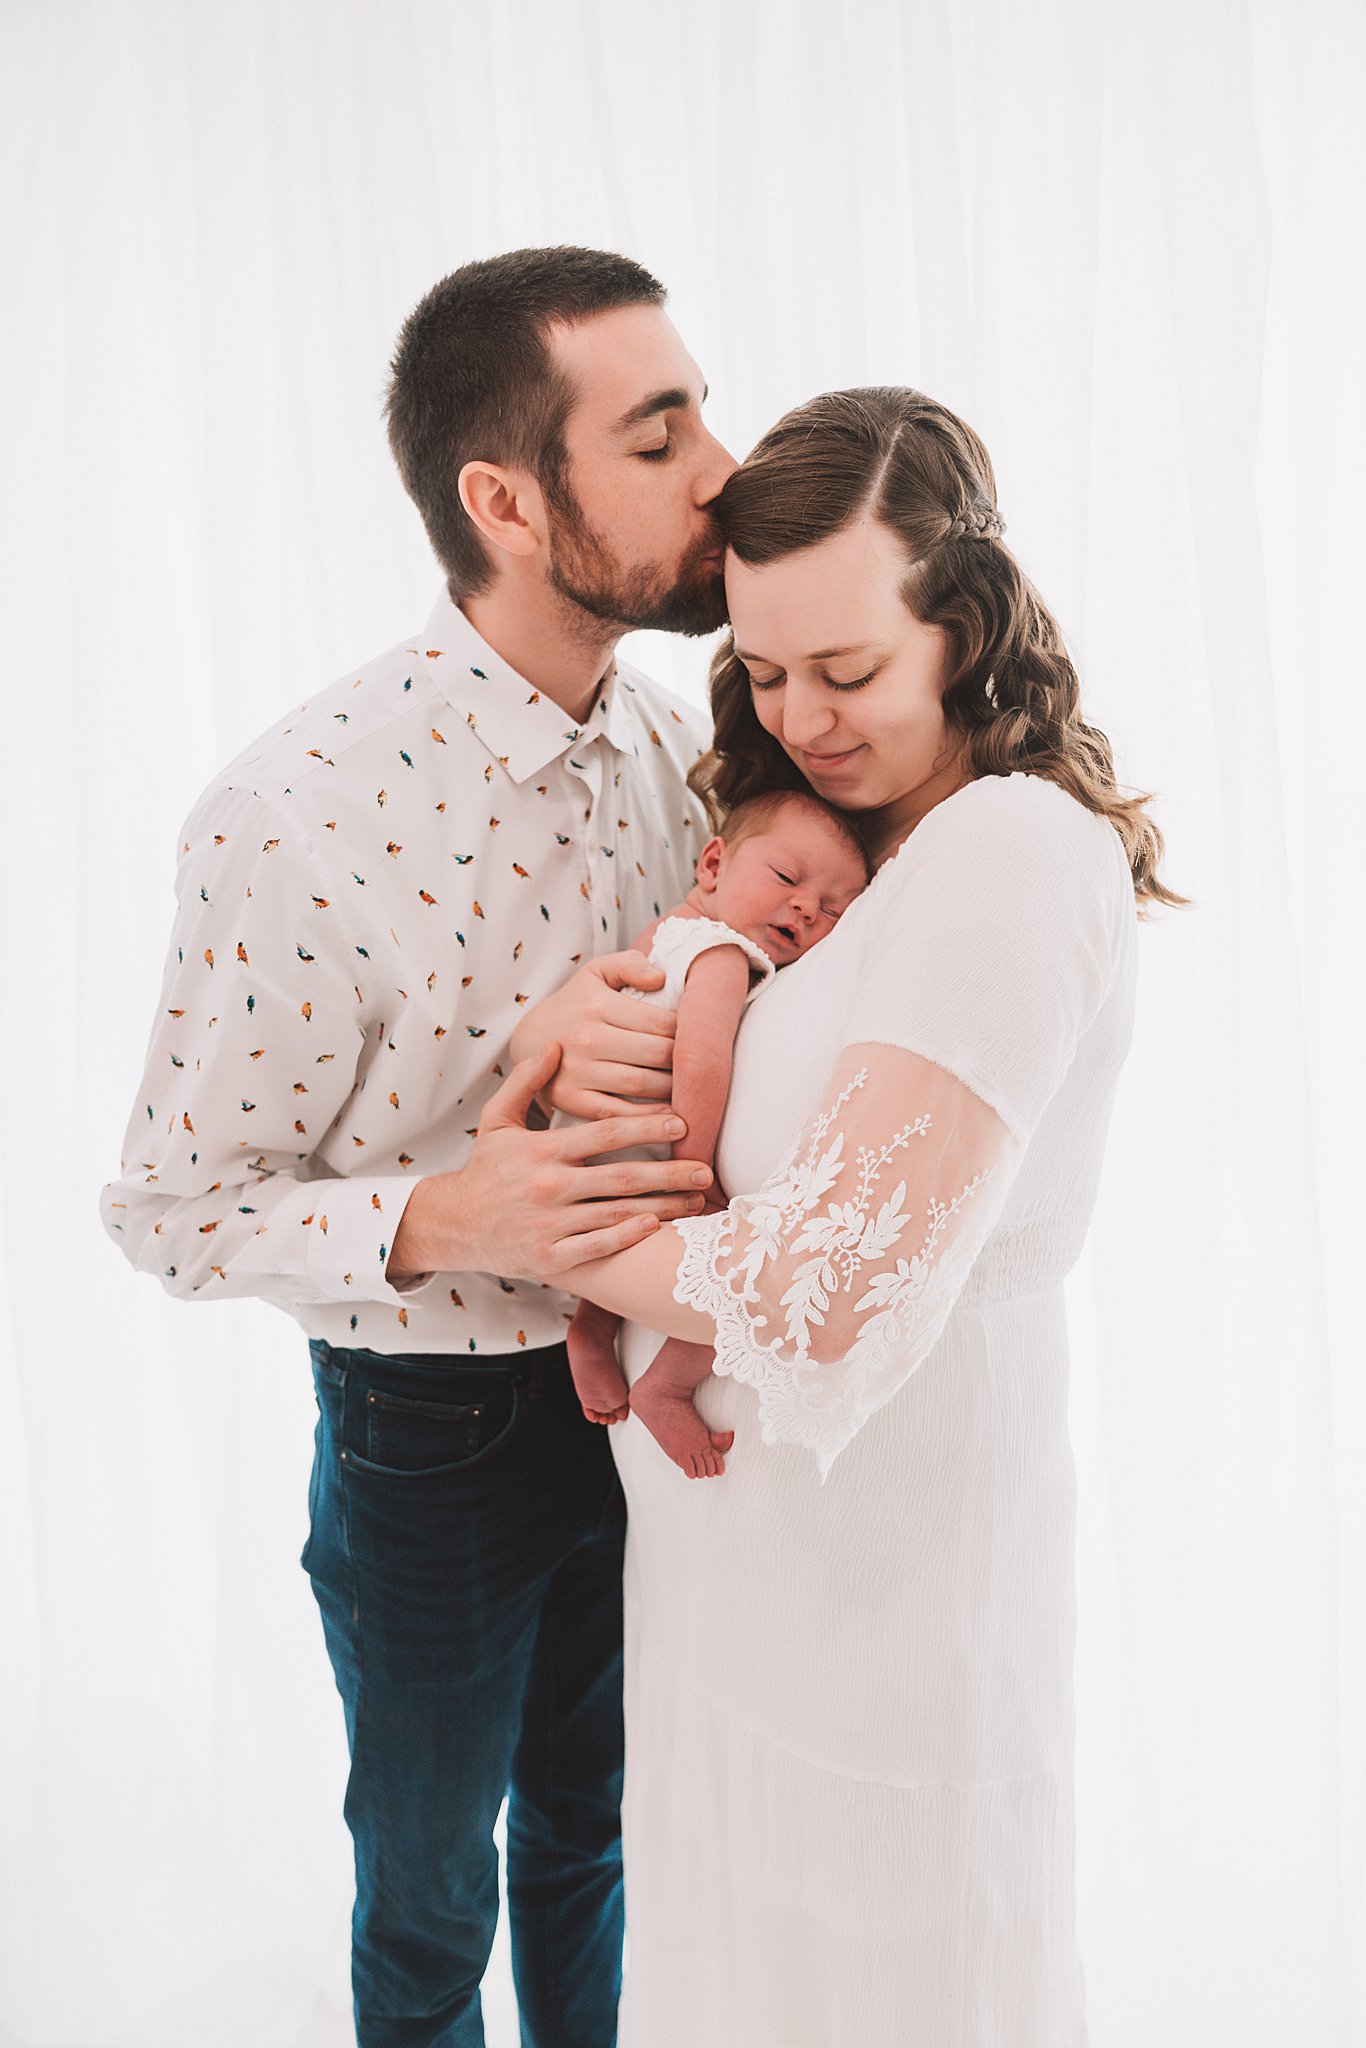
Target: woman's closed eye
x=772, y=682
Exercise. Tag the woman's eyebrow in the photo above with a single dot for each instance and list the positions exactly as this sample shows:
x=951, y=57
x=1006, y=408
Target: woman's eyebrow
x=824, y=654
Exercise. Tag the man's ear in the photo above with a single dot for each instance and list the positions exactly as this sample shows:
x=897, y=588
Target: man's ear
x=506, y=505
x=709, y=863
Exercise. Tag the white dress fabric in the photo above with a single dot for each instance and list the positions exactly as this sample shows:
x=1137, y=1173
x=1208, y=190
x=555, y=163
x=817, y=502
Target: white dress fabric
x=848, y=1808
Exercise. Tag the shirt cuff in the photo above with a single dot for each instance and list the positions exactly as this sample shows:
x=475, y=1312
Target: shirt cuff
x=340, y=1240
x=351, y=1235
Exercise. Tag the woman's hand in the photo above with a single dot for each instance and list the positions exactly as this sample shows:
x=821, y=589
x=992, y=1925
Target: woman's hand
x=612, y=1045
x=527, y=1206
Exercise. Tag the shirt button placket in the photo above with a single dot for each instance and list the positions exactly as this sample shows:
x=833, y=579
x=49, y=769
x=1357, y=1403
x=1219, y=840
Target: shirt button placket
x=586, y=762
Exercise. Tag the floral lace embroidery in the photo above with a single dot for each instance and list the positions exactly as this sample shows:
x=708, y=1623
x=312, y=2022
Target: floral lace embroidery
x=821, y=1404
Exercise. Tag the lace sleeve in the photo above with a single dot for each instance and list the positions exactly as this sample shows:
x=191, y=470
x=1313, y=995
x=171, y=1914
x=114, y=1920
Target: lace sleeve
x=830, y=1286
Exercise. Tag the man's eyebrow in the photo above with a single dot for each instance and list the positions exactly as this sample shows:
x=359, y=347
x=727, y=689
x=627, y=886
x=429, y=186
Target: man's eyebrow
x=658, y=401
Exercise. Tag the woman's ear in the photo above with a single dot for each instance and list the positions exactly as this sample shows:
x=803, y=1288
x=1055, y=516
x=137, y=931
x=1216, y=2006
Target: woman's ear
x=505, y=504
x=710, y=862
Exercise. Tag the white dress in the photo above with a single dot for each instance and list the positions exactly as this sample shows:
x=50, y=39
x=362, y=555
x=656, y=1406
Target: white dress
x=848, y=1807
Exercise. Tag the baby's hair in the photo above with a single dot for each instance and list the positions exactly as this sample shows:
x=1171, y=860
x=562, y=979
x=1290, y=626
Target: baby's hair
x=756, y=814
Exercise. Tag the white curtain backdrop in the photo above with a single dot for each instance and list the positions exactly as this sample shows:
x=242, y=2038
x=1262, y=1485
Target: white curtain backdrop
x=1126, y=241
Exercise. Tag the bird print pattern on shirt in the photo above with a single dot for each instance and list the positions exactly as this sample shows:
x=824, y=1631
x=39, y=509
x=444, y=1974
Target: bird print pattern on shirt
x=369, y=897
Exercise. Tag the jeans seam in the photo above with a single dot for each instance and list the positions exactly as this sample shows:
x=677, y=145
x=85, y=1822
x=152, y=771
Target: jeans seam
x=353, y=1580
x=549, y=1936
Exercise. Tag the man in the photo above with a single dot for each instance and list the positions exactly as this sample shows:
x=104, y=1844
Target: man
x=367, y=899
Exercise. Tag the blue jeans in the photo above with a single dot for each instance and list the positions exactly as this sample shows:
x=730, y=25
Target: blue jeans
x=465, y=1549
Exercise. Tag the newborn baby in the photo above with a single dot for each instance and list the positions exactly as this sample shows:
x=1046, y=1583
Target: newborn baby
x=772, y=881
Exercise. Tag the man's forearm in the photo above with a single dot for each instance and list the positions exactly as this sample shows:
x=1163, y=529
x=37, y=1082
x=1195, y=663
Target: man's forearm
x=428, y=1236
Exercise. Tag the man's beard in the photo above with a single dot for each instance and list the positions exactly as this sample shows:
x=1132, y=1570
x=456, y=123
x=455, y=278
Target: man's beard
x=583, y=568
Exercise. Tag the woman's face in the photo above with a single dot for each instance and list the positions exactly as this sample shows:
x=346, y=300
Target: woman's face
x=845, y=678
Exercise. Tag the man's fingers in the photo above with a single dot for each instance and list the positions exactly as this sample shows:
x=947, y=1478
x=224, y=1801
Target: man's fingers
x=627, y=1180
x=636, y=1084
x=615, y=1133
x=627, y=970
x=600, y=1244
x=585, y=1103
x=509, y=1108
x=641, y=1020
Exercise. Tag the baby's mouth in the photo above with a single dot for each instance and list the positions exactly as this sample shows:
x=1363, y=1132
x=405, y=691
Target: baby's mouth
x=788, y=932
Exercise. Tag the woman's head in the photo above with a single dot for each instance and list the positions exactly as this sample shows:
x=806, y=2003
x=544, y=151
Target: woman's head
x=885, y=645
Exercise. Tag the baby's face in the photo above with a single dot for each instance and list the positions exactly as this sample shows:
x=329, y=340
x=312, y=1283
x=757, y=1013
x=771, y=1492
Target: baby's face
x=785, y=886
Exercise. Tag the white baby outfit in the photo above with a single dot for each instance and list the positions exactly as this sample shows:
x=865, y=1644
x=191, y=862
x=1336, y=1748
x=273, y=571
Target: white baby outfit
x=678, y=941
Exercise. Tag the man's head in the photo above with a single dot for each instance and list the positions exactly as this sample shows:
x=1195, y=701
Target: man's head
x=546, y=420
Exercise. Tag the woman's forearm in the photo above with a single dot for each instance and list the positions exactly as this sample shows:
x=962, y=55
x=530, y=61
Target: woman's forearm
x=639, y=1283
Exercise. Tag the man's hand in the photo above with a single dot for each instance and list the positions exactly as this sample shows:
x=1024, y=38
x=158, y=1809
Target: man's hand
x=612, y=1045
x=527, y=1206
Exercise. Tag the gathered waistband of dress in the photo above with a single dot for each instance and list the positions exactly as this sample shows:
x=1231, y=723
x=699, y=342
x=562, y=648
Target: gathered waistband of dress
x=1023, y=1260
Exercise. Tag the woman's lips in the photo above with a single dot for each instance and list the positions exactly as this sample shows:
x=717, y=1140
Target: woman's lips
x=828, y=761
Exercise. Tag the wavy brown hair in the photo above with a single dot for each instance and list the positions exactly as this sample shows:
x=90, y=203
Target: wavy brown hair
x=1012, y=692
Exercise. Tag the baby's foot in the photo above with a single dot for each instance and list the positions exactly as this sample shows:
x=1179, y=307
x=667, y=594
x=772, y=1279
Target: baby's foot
x=677, y=1428
x=598, y=1379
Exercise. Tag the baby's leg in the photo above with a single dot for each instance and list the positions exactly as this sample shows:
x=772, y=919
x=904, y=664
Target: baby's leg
x=598, y=1382
x=662, y=1398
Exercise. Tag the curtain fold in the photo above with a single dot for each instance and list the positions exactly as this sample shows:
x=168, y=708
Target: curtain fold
x=1127, y=245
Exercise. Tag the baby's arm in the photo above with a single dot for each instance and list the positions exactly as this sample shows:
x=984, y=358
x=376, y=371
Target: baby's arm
x=708, y=1017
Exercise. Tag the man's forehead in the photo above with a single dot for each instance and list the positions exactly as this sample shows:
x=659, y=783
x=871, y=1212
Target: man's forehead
x=624, y=361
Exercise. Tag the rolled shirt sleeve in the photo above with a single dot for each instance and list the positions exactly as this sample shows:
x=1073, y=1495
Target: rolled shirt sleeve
x=230, y=1182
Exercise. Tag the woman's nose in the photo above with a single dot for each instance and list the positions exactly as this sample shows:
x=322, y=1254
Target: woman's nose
x=805, y=717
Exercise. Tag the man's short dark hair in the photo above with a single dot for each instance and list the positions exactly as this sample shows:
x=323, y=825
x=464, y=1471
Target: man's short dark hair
x=473, y=379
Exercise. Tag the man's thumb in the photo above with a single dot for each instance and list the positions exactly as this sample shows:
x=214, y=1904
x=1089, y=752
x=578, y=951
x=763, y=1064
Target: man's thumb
x=509, y=1107
x=628, y=970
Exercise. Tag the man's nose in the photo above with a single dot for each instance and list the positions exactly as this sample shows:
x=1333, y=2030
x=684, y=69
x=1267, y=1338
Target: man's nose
x=716, y=464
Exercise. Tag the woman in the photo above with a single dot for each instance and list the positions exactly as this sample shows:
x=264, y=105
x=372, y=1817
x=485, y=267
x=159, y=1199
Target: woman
x=848, y=1814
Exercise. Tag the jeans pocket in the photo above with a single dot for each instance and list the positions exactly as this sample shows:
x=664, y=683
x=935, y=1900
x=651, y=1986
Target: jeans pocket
x=406, y=1437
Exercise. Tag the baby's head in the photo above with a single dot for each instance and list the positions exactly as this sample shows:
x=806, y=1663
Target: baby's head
x=783, y=867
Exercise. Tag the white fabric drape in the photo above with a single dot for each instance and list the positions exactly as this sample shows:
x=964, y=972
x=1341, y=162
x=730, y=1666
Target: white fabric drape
x=1126, y=243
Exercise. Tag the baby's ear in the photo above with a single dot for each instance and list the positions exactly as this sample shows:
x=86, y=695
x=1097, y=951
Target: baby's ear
x=709, y=861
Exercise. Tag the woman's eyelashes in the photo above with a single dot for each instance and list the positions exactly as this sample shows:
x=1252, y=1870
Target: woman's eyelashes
x=773, y=682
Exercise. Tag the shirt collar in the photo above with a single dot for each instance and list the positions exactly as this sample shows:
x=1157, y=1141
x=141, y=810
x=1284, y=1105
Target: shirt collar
x=521, y=726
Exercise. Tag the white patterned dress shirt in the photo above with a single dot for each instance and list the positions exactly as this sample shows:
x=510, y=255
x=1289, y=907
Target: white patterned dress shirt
x=367, y=899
